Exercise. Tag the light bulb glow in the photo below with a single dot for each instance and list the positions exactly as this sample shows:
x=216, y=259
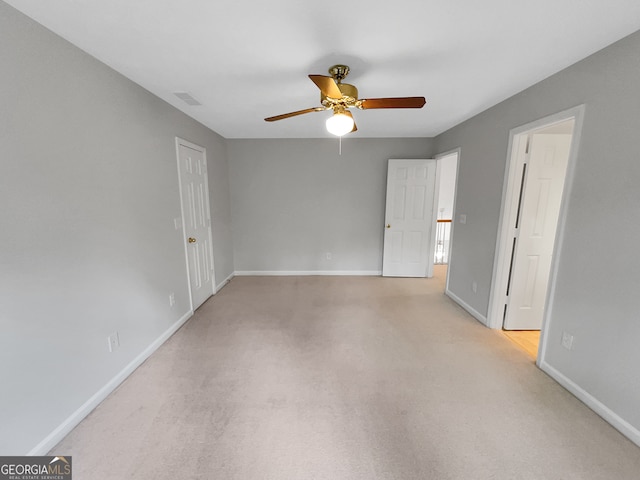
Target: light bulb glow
x=339, y=124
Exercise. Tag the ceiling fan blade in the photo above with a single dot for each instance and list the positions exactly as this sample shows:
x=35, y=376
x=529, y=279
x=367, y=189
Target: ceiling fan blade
x=293, y=114
x=399, y=102
x=348, y=113
x=327, y=85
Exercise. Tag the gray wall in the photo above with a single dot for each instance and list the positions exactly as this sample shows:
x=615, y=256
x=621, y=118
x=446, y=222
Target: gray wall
x=599, y=262
x=295, y=200
x=89, y=190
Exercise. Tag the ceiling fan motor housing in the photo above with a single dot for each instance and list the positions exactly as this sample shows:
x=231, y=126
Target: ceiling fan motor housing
x=348, y=91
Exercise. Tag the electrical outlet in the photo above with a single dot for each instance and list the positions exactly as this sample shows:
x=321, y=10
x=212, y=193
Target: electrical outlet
x=328, y=255
x=114, y=341
x=474, y=286
x=567, y=340
x=463, y=218
x=172, y=299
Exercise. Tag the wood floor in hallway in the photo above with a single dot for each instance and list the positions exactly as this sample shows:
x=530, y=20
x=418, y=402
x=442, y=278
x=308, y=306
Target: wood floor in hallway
x=527, y=340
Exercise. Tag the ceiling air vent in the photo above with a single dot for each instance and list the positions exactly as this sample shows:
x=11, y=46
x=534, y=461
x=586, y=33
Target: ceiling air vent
x=186, y=98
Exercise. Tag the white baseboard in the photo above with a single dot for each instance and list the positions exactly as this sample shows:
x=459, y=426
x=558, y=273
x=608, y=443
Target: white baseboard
x=474, y=313
x=224, y=282
x=617, y=422
x=288, y=273
x=76, y=417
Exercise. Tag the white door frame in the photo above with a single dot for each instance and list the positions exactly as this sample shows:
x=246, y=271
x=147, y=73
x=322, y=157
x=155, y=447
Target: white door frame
x=516, y=146
x=455, y=151
x=186, y=143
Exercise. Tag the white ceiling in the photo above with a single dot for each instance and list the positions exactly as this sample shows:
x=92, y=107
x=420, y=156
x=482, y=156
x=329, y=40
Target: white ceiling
x=245, y=60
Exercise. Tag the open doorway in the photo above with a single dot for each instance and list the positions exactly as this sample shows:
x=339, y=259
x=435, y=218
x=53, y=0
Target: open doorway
x=446, y=179
x=544, y=165
x=541, y=159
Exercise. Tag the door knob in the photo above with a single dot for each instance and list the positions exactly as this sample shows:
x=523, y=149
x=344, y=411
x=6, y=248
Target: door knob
x=192, y=240
x=388, y=226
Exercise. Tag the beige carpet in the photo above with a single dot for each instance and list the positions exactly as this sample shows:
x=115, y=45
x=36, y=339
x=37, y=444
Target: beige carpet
x=343, y=378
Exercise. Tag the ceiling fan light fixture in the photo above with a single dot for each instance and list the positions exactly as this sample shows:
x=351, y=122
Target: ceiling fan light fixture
x=339, y=124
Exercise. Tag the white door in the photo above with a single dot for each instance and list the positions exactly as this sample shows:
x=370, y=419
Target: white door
x=194, y=193
x=536, y=227
x=409, y=218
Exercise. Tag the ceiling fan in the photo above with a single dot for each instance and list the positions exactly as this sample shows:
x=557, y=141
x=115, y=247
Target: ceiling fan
x=340, y=97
